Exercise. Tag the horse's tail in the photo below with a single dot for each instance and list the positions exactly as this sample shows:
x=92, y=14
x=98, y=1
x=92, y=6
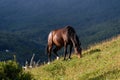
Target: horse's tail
x=50, y=42
x=46, y=50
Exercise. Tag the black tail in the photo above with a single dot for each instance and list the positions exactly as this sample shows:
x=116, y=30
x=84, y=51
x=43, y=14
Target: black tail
x=46, y=50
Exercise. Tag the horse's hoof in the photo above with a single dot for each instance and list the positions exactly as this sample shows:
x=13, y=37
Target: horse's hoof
x=57, y=58
x=48, y=63
x=69, y=58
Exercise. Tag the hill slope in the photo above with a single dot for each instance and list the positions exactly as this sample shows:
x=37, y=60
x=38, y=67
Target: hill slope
x=100, y=62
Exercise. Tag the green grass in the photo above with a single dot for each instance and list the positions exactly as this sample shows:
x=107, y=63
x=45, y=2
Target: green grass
x=99, y=62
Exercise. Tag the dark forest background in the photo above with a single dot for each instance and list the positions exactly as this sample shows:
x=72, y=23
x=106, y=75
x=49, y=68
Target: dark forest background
x=25, y=24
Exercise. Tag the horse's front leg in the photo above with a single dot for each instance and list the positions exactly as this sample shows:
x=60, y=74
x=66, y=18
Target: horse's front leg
x=55, y=52
x=65, y=51
x=70, y=51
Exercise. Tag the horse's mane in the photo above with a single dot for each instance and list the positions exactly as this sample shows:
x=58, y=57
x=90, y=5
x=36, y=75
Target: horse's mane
x=70, y=29
x=72, y=32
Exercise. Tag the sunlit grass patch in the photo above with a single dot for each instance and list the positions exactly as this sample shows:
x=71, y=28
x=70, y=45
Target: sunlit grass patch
x=99, y=62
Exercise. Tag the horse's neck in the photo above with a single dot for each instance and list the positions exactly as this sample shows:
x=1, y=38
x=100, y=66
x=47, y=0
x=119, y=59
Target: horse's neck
x=75, y=41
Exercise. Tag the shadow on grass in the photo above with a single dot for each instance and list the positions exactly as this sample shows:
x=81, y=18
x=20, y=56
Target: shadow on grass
x=114, y=74
x=92, y=51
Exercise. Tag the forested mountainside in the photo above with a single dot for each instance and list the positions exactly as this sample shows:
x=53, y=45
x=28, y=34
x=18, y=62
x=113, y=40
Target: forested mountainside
x=25, y=24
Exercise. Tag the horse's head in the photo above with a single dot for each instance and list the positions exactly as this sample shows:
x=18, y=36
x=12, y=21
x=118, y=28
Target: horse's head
x=78, y=50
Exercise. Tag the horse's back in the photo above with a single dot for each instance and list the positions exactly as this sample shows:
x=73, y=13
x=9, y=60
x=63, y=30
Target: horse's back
x=59, y=36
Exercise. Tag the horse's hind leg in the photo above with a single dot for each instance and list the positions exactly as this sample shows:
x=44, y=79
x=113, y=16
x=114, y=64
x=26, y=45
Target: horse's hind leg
x=55, y=51
x=49, y=53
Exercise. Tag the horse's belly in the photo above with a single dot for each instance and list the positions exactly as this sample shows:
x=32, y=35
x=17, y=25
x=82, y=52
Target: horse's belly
x=58, y=41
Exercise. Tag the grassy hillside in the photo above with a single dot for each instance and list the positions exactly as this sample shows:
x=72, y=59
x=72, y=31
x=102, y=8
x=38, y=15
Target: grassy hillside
x=99, y=62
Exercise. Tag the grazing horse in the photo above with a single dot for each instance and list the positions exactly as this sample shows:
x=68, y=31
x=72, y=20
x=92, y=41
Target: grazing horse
x=62, y=38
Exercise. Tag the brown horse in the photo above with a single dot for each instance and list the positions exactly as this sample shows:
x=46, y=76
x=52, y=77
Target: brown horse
x=62, y=38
